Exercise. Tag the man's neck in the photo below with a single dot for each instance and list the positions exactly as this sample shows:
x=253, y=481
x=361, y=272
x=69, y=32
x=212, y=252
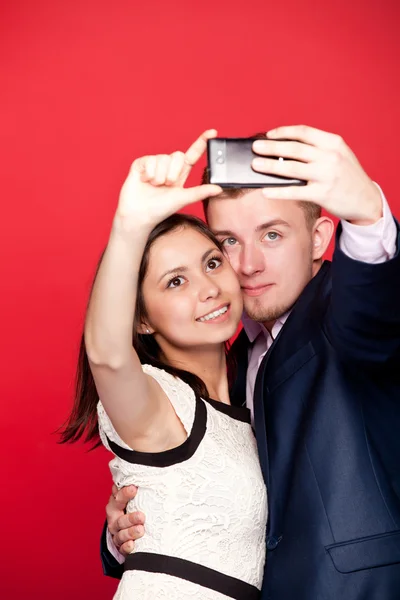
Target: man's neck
x=269, y=326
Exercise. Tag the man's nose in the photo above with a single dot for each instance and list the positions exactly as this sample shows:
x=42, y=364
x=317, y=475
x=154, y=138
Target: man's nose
x=251, y=260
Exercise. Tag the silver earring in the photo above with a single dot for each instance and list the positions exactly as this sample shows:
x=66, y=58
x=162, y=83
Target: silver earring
x=147, y=330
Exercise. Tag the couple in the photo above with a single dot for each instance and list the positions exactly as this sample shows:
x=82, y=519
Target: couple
x=317, y=364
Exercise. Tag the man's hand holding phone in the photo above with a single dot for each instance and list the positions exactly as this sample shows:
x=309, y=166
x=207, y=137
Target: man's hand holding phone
x=335, y=179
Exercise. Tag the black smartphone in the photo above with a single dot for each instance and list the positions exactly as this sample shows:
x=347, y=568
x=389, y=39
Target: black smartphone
x=229, y=165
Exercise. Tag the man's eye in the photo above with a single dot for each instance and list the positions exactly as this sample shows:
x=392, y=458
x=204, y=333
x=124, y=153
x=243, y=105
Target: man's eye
x=272, y=236
x=230, y=241
x=175, y=282
x=213, y=263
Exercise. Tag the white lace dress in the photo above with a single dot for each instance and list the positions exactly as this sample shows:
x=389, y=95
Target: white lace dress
x=205, y=504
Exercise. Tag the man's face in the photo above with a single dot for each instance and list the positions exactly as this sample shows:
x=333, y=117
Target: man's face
x=270, y=247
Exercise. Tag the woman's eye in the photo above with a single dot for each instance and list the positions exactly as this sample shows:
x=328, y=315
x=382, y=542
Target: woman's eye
x=213, y=263
x=175, y=282
x=230, y=241
x=272, y=236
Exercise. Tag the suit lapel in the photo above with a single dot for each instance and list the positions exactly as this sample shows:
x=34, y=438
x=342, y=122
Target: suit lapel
x=290, y=349
x=293, y=346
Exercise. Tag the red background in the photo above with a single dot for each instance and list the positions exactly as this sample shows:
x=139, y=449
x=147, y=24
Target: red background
x=86, y=87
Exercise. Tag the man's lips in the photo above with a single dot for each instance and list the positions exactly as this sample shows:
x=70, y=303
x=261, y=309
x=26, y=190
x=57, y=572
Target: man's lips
x=256, y=290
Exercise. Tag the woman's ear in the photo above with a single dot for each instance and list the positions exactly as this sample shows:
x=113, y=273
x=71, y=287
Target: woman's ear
x=322, y=235
x=144, y=329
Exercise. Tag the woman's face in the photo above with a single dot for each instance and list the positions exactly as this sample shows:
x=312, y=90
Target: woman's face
x=191, y=293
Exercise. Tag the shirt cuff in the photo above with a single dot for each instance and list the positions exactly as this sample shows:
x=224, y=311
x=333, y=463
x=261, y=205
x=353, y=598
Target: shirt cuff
x=371, y=244
x=111, y=547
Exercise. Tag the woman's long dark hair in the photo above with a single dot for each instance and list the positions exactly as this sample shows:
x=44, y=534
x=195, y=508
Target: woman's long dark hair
x=82, y=422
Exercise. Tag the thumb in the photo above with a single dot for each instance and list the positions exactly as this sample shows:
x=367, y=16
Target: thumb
x=198, y=193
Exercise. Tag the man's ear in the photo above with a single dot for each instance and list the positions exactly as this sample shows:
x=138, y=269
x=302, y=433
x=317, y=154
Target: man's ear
x=144, y=329
x=322, y=234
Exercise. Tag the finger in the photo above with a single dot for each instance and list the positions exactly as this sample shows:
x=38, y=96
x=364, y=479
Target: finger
x=127, y=520
x=283, y=168
x=161, y=170
x=196, y=150
x=127, y=548
x=138, y=166
x=133, y=533
x=187, y=196
x=308, y=135
x=175, y=168
x=120, y=498
x=285, y=149
x=148, y=168
x=290, y=192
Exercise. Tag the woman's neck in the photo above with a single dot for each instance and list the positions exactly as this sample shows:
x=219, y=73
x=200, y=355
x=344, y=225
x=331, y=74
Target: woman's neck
x=207, y=362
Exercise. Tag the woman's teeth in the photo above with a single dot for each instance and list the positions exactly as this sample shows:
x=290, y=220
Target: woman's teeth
x=214, y=314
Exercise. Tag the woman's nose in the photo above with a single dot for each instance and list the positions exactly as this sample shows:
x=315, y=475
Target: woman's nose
x=208, y=289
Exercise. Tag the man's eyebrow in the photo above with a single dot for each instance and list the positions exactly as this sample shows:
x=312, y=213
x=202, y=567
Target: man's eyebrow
x=265, y=225
x=271, y=223
x=184, y=269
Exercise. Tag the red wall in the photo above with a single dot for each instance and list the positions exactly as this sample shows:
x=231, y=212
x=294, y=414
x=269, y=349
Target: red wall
x=86, y=87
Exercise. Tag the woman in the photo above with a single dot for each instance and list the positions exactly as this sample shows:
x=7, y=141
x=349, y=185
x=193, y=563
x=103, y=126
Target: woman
x=162, y=401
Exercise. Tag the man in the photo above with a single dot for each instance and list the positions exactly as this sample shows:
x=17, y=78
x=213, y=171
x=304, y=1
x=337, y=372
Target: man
x=318, y=364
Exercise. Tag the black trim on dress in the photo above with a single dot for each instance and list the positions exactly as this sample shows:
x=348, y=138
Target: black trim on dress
x=190, y=571
x=239, y=413
x=174, y=455
x=190, y=445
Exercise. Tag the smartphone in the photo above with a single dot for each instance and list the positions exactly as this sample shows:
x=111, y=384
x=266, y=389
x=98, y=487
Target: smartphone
x=229, y=165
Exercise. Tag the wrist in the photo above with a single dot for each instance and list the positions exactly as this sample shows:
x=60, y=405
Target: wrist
x=373, y=210
x=124, y=226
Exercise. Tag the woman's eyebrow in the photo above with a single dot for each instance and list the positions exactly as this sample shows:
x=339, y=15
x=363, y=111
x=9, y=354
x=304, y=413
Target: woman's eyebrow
x=183, y=269
x=174, y=270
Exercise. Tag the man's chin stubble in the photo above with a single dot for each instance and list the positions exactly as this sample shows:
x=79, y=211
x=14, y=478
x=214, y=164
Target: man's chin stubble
x=261, y=314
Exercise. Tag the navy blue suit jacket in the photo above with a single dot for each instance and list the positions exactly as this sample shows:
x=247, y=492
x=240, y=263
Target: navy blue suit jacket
x=327, y=413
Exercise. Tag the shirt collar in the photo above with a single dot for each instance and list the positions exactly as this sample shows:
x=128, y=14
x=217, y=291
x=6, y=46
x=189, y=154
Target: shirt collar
x=253, y=328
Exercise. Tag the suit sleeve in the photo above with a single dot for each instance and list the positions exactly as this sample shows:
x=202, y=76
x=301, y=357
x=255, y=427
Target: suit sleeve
x=111, y=566
x=363, y=318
